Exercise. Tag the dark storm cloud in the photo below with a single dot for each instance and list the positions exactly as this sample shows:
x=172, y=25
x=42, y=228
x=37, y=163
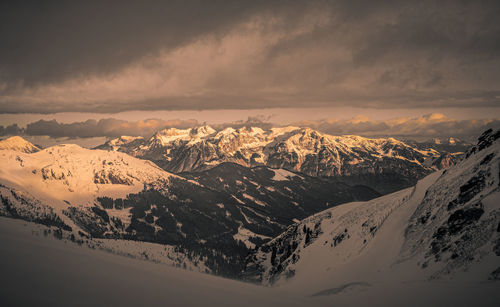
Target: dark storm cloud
x=130, y=55
x=13, y=129
x=109, y=127
x=46, y=41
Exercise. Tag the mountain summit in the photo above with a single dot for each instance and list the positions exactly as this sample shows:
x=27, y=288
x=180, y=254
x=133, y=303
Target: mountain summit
x=17, y=143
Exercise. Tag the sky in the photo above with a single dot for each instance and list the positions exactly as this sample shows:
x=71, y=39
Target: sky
x=341, y=66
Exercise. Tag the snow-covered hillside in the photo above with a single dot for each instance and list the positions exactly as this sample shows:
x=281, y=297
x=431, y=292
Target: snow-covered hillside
x=40, y=270
x=447, y=226
x=19, y=144
x=69, y=174
x=385, y=164
x=219, y=214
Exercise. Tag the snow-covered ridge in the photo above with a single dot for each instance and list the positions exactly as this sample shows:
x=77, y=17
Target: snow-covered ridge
x=124, y=140
x=17, y=143
x=77, y=175
x=167, y=136
x=295, y=149
x=446, y=224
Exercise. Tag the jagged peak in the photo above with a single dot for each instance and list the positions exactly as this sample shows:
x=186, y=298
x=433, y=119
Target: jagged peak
x=250, y=130
x=226, y=131
x=393, y=140
x=204, y=130
x=310, y=131
x=486, y=139
x=256, y=130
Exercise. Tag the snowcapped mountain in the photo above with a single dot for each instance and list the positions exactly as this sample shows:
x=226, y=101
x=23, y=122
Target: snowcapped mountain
x=217, y=215
x=447, y=226
x=383, y=164
x=448, y=145
x=124, y=142
x=77, y=175
x=446, y=141
x=17, y=143
x=52, y=185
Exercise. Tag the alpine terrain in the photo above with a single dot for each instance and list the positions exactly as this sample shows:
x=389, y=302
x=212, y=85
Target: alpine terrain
x=311, y=237
x=213, y=218
x=384, y=164
x=446, y=228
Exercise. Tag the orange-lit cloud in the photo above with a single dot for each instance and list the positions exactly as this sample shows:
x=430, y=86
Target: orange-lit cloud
x=419, y=127
x=427, y=126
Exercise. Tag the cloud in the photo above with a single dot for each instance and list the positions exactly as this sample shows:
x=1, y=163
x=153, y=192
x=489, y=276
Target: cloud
x=419, y=128
x=198, y=55
x=103, y=128
x=422, y=127
x=52, y=41
x=13, y=129
x=111, y=127
x=260, y=121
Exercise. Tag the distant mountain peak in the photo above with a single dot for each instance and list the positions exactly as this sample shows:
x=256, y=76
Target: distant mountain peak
x=203, y=130
x=18, y=143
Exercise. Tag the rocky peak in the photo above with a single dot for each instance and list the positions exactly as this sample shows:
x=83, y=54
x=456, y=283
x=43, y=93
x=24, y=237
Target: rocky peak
x=202, y=131
x=484, y=141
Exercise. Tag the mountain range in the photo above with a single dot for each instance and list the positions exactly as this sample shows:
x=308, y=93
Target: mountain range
x=384, y=164
x=271, y=221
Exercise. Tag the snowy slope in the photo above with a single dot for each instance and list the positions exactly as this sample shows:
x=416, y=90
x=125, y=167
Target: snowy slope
x=17, y=143
x=445, y=227
x=66, y=186
x=59, y=186
x=60, y=273
x=70, y=173
x=42, y=271
x=328, y=240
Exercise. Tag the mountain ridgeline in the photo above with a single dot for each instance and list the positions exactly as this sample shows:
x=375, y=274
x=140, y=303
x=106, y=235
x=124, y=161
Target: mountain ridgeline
x=385, y=165
x=210, y=197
